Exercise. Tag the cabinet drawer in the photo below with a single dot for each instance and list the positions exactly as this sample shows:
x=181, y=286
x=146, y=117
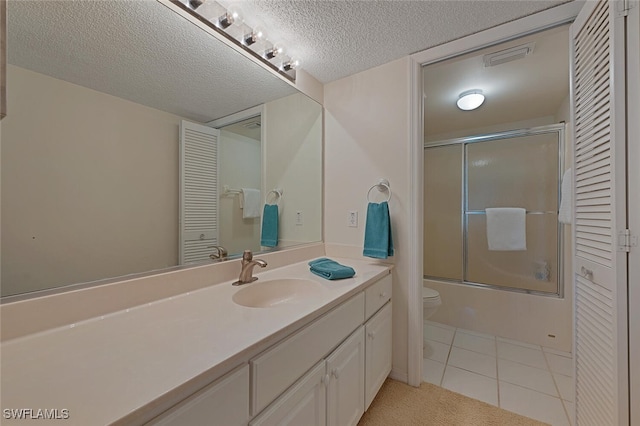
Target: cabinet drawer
x=377, y=295
x=225, y=402
x=279, y=367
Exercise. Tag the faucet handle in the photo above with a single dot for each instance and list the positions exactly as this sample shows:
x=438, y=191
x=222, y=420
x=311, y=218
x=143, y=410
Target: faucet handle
x=222, y=252
x=247, y=256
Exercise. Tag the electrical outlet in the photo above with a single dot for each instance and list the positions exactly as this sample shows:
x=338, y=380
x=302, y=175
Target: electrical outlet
x=353, y=219
x=298, y=218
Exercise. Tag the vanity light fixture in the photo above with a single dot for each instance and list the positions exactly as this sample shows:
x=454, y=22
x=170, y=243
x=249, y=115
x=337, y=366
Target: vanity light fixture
x=470, y=100
x=241, y=35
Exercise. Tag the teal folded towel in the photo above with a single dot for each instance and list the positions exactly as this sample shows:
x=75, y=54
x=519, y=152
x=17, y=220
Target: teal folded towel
x=269, y=236
x=377, y=232
x=330, y=269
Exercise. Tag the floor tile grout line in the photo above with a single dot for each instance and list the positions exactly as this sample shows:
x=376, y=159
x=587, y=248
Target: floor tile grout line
x=547, y=363
x=564, y=406
x=446, y=364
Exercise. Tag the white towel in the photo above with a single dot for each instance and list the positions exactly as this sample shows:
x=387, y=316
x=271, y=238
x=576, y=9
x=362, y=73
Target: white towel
x=250, y=201
x=506, y=229
x=565, y=213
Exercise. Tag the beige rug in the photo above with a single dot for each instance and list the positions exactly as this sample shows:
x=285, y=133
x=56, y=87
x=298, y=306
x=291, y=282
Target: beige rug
x=403, y=405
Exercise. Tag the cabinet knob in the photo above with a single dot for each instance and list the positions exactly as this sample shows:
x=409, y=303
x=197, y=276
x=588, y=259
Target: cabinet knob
x=383, y=294
x=371, y=335
x=335, y=372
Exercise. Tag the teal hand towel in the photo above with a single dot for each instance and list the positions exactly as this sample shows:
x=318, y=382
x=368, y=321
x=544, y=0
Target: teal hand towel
x=269, y=237
x=377, y=233
x=330, y=269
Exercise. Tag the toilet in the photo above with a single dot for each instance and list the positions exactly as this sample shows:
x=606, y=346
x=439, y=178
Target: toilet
x=430, y=302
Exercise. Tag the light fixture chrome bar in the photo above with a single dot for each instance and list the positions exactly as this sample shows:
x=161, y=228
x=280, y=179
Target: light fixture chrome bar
x=217, y=27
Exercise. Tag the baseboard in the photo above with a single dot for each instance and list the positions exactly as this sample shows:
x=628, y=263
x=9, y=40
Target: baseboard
x=400, y=376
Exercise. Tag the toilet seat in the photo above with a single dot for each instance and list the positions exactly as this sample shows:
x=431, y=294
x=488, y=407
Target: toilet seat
x=430, y=298
x=429, y=293
x=430, y=302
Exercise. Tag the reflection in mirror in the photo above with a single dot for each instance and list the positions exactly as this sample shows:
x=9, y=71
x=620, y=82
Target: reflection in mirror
x=90, y=150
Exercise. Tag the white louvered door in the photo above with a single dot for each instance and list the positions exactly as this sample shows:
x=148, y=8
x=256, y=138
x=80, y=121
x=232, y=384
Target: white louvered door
x=600, y=316
x=198, y=191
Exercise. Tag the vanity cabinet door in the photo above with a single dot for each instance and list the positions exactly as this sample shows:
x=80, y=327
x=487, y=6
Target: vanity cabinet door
x=377, y=295
x=225, y=402
x=378, y=352
x=345, y=392
x=303, y=404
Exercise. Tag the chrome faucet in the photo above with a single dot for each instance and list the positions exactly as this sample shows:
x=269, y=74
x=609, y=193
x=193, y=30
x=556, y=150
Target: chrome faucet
x=221, y=253
x=246, y=273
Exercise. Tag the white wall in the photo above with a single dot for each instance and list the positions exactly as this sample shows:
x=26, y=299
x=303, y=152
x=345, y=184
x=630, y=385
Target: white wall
x=293, y=129
x=65, y=150
x=239, y=160
x=367, y=138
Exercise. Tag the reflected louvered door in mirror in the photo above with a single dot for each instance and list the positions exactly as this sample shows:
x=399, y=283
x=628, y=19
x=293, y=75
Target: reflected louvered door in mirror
x=198, y=191
x=600, y=341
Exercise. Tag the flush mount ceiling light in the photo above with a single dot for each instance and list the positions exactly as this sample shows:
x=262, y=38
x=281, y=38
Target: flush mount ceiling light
x=470, y=100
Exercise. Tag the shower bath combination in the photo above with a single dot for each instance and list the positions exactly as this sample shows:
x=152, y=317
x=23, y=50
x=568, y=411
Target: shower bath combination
x=513, y=169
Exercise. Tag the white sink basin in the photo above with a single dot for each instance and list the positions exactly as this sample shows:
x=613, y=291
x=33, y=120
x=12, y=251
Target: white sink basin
x=280, y=292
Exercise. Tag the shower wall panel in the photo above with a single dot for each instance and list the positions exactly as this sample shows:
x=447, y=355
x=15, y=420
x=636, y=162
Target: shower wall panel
x=443, y=212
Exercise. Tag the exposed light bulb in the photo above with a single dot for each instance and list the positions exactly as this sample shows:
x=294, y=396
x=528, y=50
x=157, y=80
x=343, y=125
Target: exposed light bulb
x=228, y=18
x=196, y=3
x=470, y=100
x=253, y=37
x=276, y=50
x=291, y=64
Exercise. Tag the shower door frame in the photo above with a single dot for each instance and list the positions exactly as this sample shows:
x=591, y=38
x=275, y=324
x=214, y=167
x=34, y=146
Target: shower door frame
x=464, y=142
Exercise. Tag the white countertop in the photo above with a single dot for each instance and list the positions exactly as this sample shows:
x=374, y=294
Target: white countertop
x=121, y=367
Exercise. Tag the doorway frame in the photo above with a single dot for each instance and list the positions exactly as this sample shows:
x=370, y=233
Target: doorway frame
x=540, y=21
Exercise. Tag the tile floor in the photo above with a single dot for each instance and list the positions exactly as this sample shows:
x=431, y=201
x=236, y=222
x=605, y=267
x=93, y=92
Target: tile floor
x=527, y=379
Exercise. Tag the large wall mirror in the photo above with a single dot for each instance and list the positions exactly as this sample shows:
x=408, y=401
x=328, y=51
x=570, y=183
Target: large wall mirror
x=97, y=94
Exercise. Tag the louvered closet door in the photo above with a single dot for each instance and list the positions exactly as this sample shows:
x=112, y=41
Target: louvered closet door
x=198, y=191
x=600, y=342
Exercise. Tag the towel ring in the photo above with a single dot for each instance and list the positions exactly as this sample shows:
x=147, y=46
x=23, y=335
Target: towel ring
x=277, y=194
x=382, y=185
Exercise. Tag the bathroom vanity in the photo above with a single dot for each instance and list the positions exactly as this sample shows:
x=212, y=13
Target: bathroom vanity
x=202, y=358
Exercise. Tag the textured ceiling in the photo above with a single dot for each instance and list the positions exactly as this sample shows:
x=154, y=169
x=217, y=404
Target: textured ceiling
x=335, y=39
x=531, y=87
x=142, y=51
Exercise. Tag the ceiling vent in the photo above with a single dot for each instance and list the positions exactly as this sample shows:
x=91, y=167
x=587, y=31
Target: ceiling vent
x=508, y=55
x=252, y=125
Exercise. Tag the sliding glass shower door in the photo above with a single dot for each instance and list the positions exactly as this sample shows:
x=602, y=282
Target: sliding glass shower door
x=463, y=177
